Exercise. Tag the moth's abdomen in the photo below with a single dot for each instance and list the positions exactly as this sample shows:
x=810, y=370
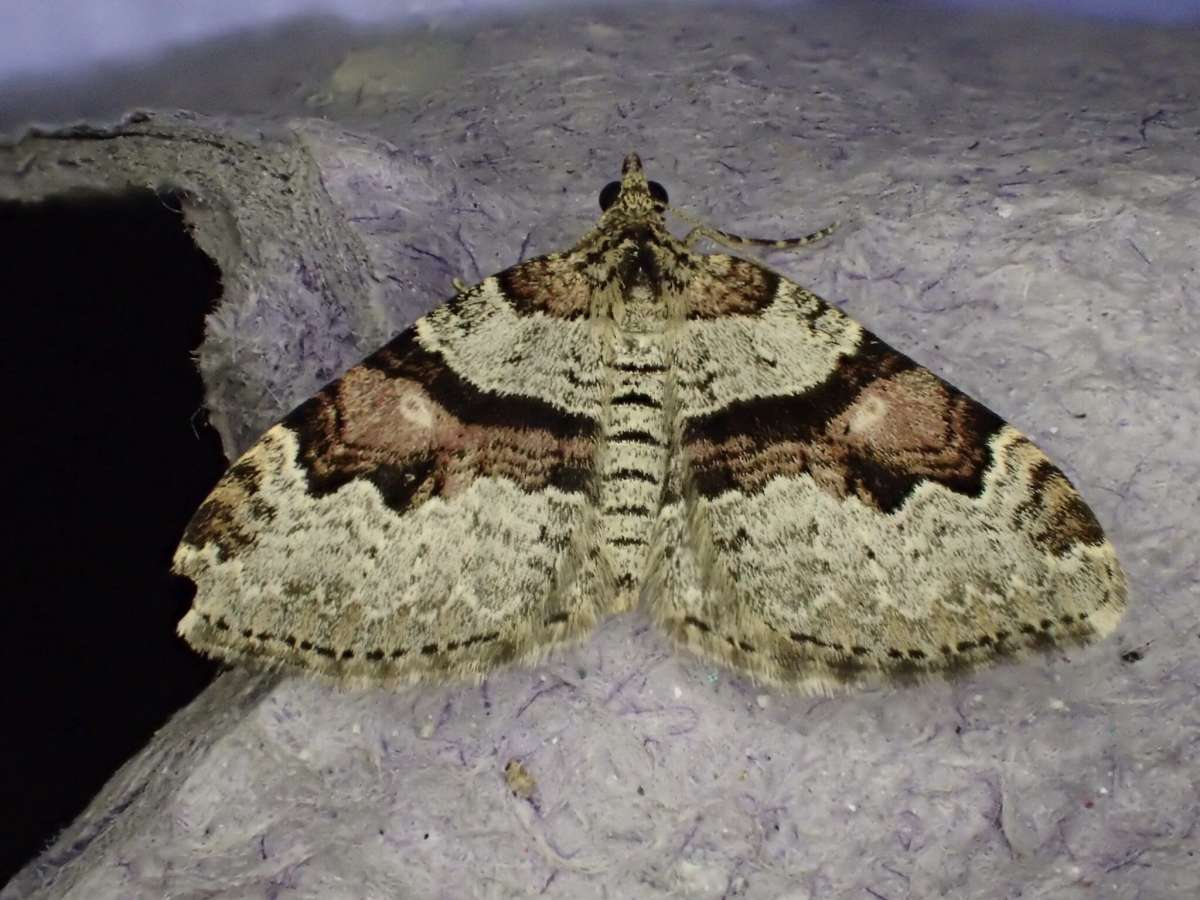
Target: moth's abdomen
x=632, y=461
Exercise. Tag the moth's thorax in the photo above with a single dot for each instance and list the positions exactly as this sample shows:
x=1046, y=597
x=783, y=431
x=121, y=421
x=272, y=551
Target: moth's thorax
x=641, y=310
x=640, y=212
x=636, y=273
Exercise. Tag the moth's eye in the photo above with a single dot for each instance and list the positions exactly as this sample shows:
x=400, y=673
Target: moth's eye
x=608, y=196
x=659, y=193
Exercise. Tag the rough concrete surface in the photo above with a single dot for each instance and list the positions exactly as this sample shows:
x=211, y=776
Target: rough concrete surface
x=1020, y=199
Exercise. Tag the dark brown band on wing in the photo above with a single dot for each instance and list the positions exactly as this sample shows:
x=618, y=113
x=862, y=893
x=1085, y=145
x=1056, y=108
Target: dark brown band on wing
x=875, y=428
x=1062, y=516
x=728, y=286
x=405, y=357
x=406, y=422
x=220, y=518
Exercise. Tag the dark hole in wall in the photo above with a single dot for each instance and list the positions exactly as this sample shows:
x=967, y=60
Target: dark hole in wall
x=106, y=457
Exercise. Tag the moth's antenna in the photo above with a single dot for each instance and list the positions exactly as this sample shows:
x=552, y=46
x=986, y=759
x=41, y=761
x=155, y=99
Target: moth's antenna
x=700, y=230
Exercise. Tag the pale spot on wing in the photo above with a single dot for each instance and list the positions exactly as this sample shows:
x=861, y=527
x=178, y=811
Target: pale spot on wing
x=867, y=414
x=416, y=410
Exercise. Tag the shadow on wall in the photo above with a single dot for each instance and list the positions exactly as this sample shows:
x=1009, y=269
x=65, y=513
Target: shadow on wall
x=108, y=456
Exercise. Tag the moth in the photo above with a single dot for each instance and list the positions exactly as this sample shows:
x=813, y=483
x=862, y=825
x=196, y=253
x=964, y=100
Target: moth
x=632, y=423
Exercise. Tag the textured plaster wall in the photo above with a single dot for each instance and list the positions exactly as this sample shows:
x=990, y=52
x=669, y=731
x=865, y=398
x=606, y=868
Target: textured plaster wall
x=52, y=36
x=1020, y=200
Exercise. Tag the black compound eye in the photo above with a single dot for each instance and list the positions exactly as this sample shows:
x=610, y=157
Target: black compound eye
x=659, y=193
x=609, y=195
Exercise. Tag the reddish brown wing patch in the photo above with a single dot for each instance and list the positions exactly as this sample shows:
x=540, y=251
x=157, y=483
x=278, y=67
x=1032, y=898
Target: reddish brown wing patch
x=549, y=285
x=406, y=422
x=874, y=429
x=727, y=286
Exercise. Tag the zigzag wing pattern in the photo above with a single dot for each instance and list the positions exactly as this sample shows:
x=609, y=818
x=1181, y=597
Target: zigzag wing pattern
x=427, y=514
x=839, y=511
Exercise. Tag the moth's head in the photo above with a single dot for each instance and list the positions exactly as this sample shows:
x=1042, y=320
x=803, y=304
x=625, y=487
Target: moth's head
x=633, y=198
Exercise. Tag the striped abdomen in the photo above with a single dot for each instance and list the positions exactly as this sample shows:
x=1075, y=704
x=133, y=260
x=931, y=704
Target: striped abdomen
x=632, y=459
